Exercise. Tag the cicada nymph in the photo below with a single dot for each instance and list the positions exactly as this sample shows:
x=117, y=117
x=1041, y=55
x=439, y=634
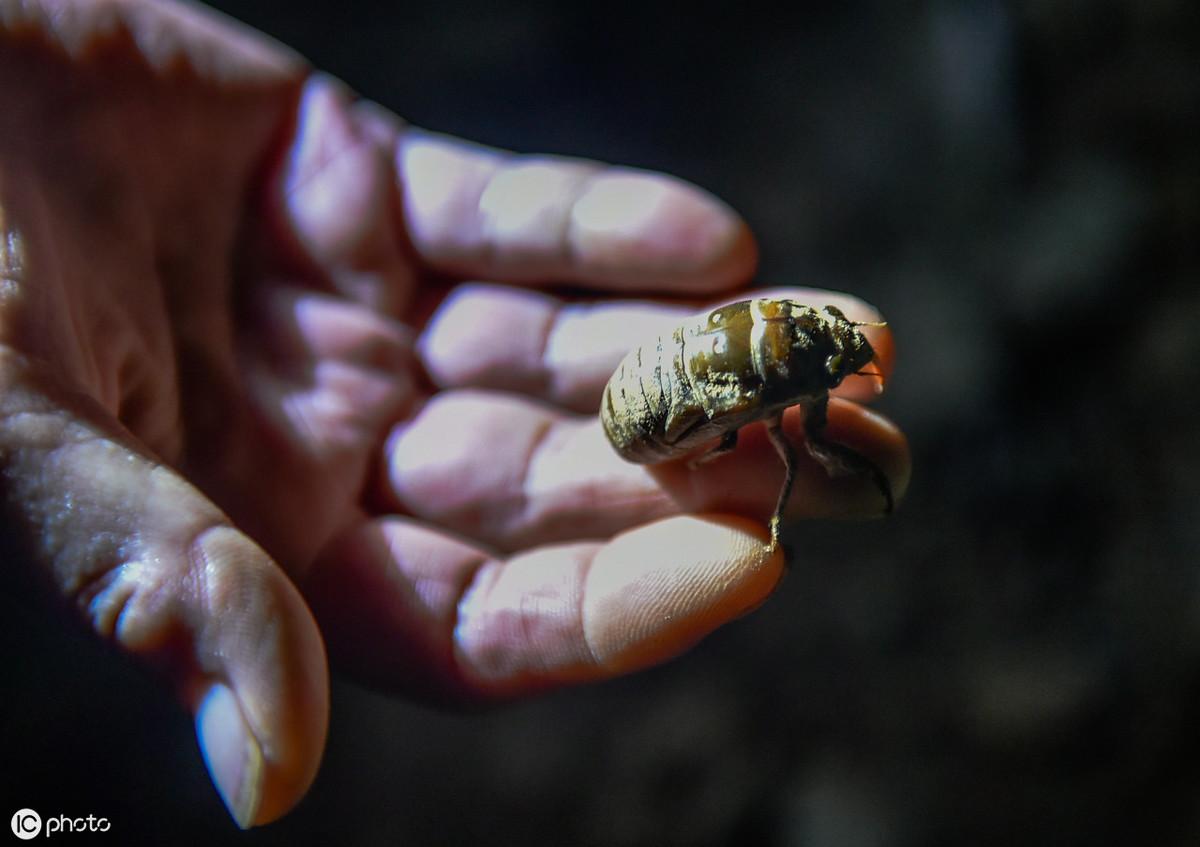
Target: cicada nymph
x=737, y=364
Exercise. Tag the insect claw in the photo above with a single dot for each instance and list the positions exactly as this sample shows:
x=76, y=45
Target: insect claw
x=773, y=545
x=885, y=488
x=839, y=460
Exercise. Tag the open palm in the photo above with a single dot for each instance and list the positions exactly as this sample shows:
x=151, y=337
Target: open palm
x=248, y=408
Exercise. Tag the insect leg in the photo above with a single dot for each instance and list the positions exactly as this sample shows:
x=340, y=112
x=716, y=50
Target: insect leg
x=727, y=444
x=786, y=452
x=838, y=459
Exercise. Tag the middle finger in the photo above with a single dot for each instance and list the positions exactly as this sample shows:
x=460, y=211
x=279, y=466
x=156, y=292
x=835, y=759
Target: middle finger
x=514, y=339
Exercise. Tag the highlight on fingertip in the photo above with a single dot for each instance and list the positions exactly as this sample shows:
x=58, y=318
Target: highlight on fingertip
x=655, y=591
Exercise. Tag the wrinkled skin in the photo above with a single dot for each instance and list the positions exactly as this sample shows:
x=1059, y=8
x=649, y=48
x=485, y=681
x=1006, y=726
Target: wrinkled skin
x=247, y=415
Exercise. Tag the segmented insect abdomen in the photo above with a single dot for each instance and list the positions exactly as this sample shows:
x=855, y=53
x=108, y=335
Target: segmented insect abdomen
x=648, y=388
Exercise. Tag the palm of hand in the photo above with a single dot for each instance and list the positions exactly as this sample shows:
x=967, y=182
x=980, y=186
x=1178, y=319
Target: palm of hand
x=216, y=271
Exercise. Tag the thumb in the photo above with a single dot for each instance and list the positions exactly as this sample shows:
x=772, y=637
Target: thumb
x=157, y=569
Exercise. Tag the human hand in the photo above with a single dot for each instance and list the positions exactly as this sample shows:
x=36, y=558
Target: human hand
x=245, y=412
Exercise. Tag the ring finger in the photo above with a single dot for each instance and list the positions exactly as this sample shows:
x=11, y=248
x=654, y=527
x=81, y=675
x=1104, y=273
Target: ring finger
x=511, y=472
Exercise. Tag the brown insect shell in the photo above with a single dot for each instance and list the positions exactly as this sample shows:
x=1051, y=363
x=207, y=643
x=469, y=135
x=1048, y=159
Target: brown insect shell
x=720, y=366
x=762, y=355
x=805, y=351
x=730, y=367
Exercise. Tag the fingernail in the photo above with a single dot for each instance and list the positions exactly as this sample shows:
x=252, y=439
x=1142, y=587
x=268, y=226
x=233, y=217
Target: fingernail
x=231, y=754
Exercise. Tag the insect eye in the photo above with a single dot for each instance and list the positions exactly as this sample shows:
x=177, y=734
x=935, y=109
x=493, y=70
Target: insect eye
x=833, y=365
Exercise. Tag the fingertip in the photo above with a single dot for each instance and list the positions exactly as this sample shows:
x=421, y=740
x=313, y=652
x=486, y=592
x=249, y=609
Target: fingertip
x=262, y=704
x=739, y=263
x=297, y=706
x=659, y=230
x=655, y=591
x=474, y=211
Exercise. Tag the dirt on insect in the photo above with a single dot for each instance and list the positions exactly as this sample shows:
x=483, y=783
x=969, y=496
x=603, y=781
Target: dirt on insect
x=733, y=366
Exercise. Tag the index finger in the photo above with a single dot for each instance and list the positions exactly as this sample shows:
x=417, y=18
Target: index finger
x=407, y=607
x=478, y=212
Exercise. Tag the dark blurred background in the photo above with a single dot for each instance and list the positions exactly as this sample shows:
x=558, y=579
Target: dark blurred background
x=1014, y=657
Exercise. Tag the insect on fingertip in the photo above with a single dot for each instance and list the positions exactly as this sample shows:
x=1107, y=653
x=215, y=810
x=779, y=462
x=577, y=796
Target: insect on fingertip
x=734, y=365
